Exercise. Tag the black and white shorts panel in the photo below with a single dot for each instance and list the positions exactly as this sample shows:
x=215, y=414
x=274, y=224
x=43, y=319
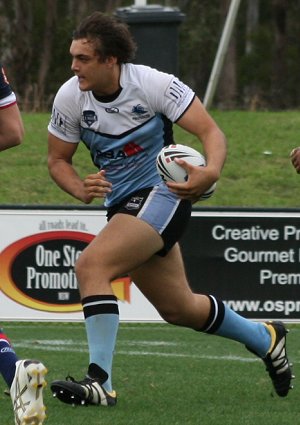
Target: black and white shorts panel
x=160, y=208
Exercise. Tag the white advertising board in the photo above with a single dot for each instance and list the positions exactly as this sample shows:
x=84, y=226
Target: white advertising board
x=38, y=249
x=256, y=251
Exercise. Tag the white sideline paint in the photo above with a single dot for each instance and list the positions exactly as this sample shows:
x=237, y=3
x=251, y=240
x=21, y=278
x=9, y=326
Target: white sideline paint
x=71, y=346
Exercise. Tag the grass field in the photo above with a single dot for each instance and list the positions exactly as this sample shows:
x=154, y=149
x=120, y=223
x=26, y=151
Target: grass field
x=164, y=375
x=257, y=173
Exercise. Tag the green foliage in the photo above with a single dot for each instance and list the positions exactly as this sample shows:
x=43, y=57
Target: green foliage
x=62, y=40
x=269, y=74
x=257, y=64
x=199, y=36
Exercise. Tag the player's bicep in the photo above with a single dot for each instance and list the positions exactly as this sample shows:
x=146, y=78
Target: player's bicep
x=196, y=119
x=59, y=150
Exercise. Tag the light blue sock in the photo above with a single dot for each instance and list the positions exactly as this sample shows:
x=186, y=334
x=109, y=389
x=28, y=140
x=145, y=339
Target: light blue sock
x=102, y=332
x=253, y=334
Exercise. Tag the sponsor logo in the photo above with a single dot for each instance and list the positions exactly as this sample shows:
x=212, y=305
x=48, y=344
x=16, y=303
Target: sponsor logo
x=38, y=271
x=112, y=110
x=132, y=148
x=134, y=203
x=129, y=149
x=89, y=117
x=177, y=92
x=58, y=121
x=7, y=350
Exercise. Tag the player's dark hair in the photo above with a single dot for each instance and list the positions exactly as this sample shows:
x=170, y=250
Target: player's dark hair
x=110, y=36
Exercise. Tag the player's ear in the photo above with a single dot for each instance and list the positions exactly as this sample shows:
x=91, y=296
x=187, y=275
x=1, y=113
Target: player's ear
x=111, y=60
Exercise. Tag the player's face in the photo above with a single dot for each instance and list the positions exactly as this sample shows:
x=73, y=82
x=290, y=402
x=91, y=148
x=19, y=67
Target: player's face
x=93, y=74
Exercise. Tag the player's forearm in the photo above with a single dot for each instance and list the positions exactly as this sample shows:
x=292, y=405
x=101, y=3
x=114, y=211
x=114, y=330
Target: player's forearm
x=11, y=127
x=7, y=143
x=67, y=179
x=215, y=147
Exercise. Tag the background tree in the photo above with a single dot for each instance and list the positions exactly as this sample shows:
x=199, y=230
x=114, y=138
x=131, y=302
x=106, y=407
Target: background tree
x=261, y=69
x=227, y=90
x=250, y=90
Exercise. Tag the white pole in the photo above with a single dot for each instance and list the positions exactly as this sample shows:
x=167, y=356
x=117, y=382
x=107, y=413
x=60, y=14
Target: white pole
x=222, y=50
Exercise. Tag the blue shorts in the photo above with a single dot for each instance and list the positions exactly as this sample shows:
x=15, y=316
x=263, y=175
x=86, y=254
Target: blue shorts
x=157, y=206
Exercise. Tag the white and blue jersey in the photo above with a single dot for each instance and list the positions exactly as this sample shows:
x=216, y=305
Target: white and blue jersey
x=125, y=135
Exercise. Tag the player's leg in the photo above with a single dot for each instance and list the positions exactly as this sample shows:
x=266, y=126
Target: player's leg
x=122, y=245
x=163, y=282
x=8, y=359
x=26, y=380
x=132, y=235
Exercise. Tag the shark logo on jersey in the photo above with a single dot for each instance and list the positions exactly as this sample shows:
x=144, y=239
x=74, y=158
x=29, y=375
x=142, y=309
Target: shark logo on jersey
x=139, y=112
x=89, y=117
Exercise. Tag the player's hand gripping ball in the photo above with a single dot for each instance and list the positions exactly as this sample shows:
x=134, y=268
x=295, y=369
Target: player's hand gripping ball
x=170, y=171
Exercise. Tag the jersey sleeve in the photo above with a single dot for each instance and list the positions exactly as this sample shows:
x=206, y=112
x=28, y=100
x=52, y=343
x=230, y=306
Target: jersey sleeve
x=7, y=96
x=168, y=94
x=65, y=117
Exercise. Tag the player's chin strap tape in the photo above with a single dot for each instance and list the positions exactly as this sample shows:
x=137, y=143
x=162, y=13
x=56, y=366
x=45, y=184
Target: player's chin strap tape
x=215, y=317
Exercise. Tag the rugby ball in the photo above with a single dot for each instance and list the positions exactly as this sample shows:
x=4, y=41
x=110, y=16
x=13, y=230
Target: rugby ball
x=170, y=171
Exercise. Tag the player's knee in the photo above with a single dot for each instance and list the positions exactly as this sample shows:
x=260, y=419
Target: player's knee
x=172, y=316
x=85, y=264
x=80, y=265
x=92, y=267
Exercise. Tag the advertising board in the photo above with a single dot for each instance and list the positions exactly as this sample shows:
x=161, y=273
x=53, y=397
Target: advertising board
x=38, y=250
x=249, y=259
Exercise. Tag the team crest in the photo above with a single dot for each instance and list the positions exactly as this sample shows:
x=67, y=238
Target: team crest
x=89, y=117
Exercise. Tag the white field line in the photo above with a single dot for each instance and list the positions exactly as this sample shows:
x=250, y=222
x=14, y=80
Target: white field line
x=81, y=326
x=71, y=346
x=123, y=327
